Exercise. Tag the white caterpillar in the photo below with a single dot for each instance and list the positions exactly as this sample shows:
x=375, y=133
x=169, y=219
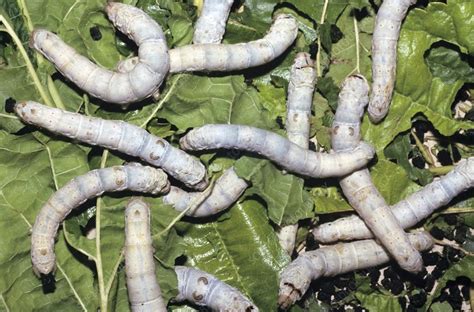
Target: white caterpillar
x=226, y=191
x=358, y=187
x=210, y=27
x=298, y=116
x=143, y=290
x=409, y=211
x=204, y=289
x=133, y=177
x=117, y=135
x=229, y=57
x=114, y=87
x=333, y=260
x=278, y=149
x=384, y=55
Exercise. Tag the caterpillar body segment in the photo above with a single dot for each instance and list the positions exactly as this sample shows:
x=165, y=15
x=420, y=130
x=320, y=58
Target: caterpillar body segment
x=358, y=186
x=278, y=149
x=298, y=115
x=117, y=135
x=227, y=189
x=210, y=26
x=144, y=293
x=409, y=211
x=333, y=260
x=204, y=289
x=132, y=177
x=384, y=55
x=115, y=87
x=229, y=57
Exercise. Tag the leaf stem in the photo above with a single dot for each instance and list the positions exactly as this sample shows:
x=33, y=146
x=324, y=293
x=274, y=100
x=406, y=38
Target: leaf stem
x=454, y=246
x=29, y=65
x=441, y=170
x=8, y=116
x=318, y=54
x=456, y=210
x=356, y=32
x=422, y=148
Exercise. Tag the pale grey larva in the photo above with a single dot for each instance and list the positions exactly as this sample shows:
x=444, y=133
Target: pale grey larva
x=228, y=57
x=210, y=26
x=358, y=187
x=132, y=177
x=288, y=155
x=333, y=260
x=298, y=116
x=144, y=292
x=204, y=289
x=117, y=135
x=384, y=55
x=226, y=191
x=409, y=211
x=115, y=87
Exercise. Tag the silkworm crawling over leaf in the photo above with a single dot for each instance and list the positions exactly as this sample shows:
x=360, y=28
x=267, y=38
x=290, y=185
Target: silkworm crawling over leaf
x=144, y=293
x=333, y=260
x=409, y=211
x=358, y=186
x=226, y=191
x=384, y=55
x=210, y=26
x=132, y=177
x=141, y=81
x=117, y=135
x=229, y=57
x=278, y=149
x=204, y=289
x=298, y=116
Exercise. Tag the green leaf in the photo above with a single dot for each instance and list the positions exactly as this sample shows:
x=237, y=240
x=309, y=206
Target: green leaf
x=314, y=9
x=241, y=250
x=449, y=65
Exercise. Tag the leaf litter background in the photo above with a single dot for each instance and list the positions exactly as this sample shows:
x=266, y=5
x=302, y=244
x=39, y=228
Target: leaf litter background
x=239, y=246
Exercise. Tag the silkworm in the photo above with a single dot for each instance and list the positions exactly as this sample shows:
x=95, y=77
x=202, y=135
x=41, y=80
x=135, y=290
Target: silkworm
x=384, y=55
x=210, y=26
x=144, y=292
x=358, y=187
x=333, y=260
x=132, y=177
x=298, y=116
x=409, y=211
x=288, y=155
x=226, y=191
x=204, y=289
x=229, y=57
x=115, y=87
x=117, y=135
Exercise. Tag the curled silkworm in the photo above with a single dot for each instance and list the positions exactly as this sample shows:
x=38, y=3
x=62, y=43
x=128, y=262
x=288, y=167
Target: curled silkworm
x=384, y=55
x=226, y=191
x=358, y=187
x=278, y=149
x=298, y=116
x=132, y=177
x=117, y=135
x=204, y=289
x=228, y=57
x=114, y=87
x=333, y=260
x=409, y=211
x=210, y=26
x=143, y=290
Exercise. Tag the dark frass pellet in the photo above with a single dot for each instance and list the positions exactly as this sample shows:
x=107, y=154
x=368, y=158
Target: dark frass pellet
x=444, y=158
x=431, y=258
x=437, y=233
x=429, y=282
x=418, y=300
x=443, y=264
x=340, y=295
x=324, y=296
x=95, y=33
x=418, y=162
x=451, y=219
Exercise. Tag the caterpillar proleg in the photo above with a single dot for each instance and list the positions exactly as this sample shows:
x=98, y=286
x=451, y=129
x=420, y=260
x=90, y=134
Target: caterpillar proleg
x=204, y=289
x=115, y=87
x=384, y=55
x=278, y=149
x=333, y=260
x=117, y=135
x=298, y=116
x=132, y=177
x=144, y=293
x=358, y=187
x=210, y=26
x=409, y=211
